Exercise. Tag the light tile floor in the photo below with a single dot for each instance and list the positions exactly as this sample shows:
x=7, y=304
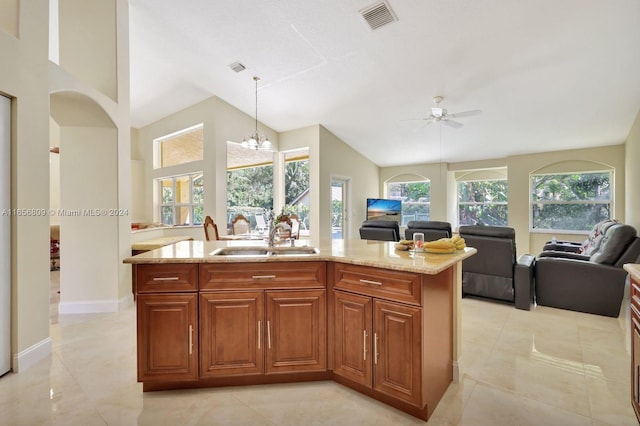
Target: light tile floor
x=539, y=367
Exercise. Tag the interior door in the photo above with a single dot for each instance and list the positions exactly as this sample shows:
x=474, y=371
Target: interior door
x=5, y=235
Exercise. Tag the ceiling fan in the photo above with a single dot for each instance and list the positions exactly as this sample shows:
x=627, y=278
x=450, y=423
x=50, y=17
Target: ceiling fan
x=441, y=115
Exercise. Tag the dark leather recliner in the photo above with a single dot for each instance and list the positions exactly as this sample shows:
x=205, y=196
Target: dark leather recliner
x=592, y=282
x=494, y=272
x=381, y=230
x=432, y=230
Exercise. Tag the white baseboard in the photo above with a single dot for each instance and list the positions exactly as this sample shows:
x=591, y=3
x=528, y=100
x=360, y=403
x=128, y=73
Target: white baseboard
x=95, y=306
x=456, y=372
x=32, y=355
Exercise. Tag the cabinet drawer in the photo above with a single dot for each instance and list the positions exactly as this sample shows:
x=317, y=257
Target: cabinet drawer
x=383, y=283
x=271, y=275
x=160, y=278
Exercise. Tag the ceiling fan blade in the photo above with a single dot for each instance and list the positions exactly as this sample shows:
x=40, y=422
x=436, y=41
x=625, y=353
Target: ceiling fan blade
x=451, y=123
x=465, y=114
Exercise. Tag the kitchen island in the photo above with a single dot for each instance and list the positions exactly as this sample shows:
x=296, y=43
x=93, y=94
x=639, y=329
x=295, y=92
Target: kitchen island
x=381, y=321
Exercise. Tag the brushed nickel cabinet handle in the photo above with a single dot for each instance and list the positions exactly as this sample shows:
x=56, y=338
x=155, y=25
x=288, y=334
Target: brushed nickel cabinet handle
x=370, y=282
x=269, y=334
x=364, y=344
x=258, y=334
x=263, y=277
x=190, y=340
x=166, y=278
x=375, y=348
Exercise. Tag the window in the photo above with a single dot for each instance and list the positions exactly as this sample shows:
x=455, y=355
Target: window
x=571, y=201
x=416, y=199
x=249, y=182
x=180, y=147
x=482, y=202
x=181, y=200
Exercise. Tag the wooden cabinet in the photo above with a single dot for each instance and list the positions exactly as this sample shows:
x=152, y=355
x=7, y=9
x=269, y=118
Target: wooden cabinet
x=167, y=337
x=353, y=322
x=271, y=331
x=635, y=345
x=378, y=345
x=296, y=331
x=386, y=333
x=167, y=322
x=397, y=350
x=231, y=330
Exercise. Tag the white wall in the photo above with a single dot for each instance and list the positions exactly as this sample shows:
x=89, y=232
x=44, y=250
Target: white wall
x=23, y=76
x=436, y=173
x=632, y=177
x=339, y=159
x=87, y=42
x=89, y=241
x=27, y=75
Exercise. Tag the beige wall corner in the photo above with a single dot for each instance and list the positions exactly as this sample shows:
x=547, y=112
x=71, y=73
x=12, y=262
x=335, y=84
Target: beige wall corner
x=632, y=176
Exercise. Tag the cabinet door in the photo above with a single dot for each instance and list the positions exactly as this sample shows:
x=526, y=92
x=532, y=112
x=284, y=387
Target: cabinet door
x=167, y=337
x=352, y=337
x=231, y=333
x=296, y=331
x=397, y=346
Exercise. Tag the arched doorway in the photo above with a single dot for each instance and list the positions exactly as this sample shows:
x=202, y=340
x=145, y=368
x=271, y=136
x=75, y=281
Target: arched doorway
x=88, y=211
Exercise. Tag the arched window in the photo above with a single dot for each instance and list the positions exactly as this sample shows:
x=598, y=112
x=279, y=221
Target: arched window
x=415, y=193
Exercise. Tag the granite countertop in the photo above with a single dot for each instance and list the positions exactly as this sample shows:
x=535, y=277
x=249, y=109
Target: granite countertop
x=633, y=269
x=358, y=252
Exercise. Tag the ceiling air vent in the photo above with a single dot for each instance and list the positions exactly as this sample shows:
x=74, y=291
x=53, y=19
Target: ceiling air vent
x=378, y=15
x=237, y=67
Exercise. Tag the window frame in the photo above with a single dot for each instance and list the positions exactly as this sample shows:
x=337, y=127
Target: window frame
x=174, y=205
x=532, y=203
x=404, y=182
x=157, y=146
x=476, y=203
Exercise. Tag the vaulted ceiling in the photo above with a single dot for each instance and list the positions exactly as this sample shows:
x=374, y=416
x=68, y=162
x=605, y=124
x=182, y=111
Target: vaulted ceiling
x=547, y=74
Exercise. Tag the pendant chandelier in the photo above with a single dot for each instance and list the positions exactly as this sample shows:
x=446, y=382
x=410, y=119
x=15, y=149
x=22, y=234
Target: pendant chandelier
x=255, y=140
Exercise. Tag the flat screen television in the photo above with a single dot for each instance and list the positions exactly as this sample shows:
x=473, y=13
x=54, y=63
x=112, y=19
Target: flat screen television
x=384, y=209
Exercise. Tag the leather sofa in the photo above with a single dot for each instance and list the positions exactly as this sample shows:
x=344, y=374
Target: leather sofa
x=432, y=230
x=588, y=246
x=592, y=281
x=381, y=230
x=494, y=272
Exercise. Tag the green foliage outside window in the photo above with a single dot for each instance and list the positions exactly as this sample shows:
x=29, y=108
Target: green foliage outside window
x=416, y=198
x=250, y=187
x=250, y=191
x=571, y=202
x=482, y=202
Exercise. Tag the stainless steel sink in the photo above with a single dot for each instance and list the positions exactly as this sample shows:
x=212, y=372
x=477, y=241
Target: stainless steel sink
x=264, y=251
x=293, y=251
x=241, y=251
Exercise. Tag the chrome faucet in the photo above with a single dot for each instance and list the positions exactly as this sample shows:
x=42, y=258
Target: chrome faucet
x=274, y=228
